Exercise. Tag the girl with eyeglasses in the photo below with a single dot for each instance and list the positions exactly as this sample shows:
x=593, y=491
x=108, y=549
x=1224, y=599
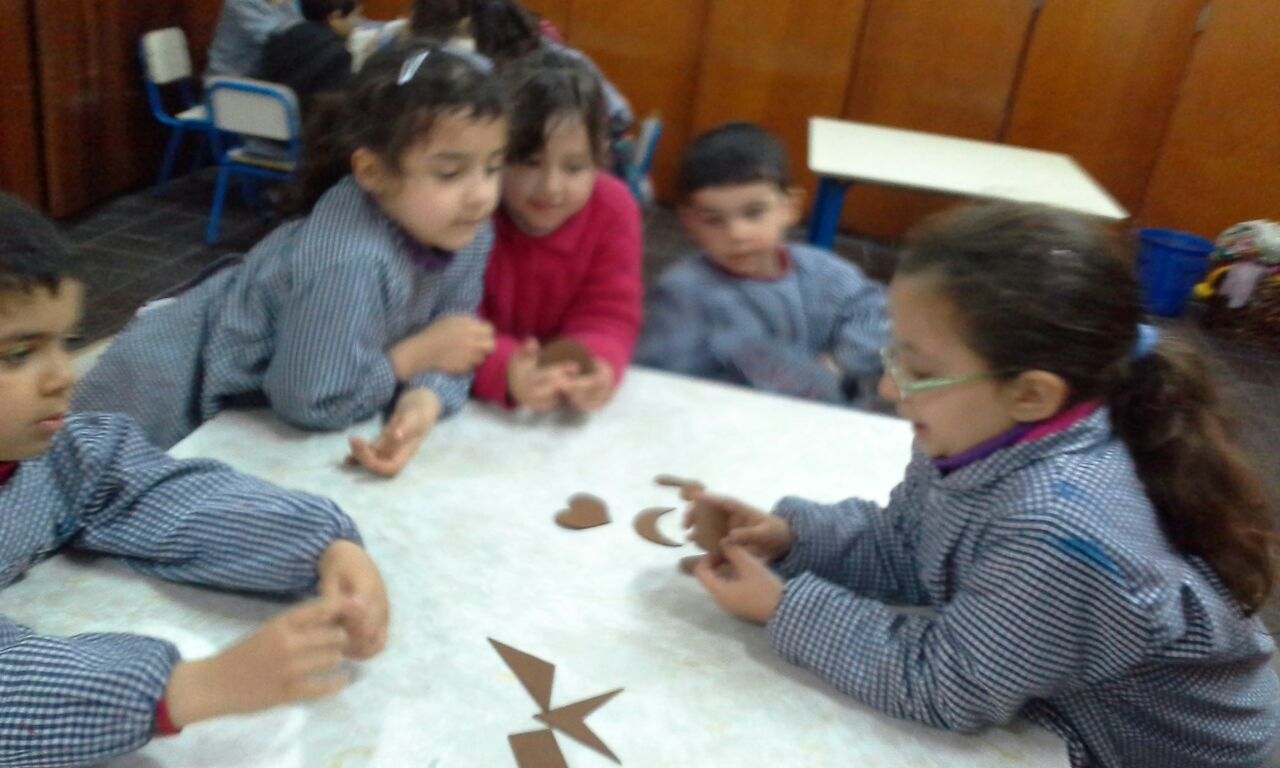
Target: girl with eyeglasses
x=1092, y=541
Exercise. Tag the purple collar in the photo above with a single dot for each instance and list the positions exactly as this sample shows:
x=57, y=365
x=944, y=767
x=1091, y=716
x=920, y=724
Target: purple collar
x=430, y=259
x=1019, y=434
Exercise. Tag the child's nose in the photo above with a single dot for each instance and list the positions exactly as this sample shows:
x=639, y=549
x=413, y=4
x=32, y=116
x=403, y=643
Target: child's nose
x=888, y=390
x=58, y=376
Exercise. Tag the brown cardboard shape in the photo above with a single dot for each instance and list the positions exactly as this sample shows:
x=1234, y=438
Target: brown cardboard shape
x=646, y=524
x=537, y=676
x=571, y=721
x=537, y=749
x=585, y=511
x=567, y=351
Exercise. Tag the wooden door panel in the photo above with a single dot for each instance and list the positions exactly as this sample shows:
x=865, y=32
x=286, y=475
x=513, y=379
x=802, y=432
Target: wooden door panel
x=1100, y=81
x=777, y=62
x=387, y=9
x=1220, y=163
x=20, y=171
x=947, y=68
x=560, y=12
x=99, y=136
x=650, y=50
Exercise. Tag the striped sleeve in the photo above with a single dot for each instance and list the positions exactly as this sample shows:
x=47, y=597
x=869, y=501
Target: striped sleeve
x=462, y=298
x=1029, y=621
x=861, y=323
x=79, y=700
x=330, y=368
x=856, y=544
x=198, y=522
x=674, y=337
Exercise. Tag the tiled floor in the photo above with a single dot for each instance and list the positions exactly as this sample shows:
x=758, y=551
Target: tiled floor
x=142, y=244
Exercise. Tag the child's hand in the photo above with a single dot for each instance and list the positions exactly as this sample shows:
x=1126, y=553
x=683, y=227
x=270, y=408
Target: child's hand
x=766, y=536
x=590, y=391
x=456, y=344
x=348, y=575
x=538, y=389
x=416, y=413
x=294, y=657
x=743, y=585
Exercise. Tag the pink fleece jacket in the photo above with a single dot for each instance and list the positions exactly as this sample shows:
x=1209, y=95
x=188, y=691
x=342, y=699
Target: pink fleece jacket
x=582, y=281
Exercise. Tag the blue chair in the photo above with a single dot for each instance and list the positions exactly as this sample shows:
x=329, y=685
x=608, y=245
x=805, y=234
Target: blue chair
x=265, y=116
x=166, y=65
x=635, y=159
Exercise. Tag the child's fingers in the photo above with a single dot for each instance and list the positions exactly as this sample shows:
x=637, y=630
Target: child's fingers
x=320, y=610
x=326, y=686
x=743, y=562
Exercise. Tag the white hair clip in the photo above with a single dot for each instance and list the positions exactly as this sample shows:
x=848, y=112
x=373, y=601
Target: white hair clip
x=411, y=66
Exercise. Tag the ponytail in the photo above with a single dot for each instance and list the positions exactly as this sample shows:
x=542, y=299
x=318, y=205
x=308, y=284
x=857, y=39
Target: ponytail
x=1209, y=498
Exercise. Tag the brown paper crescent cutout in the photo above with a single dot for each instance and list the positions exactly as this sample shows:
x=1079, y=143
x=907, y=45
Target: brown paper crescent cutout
x=646, y=524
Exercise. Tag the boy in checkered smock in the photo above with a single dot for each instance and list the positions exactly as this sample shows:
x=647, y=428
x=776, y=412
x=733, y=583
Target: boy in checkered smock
x=90, y=482
x=752, y=309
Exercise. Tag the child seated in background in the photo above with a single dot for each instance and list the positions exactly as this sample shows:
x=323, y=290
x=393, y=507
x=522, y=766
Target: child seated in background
x=752, y=309
x=1094, y=542
x=243, y=28
x=567, y=251
x=504, y=31
x=91, y=482
x=363, y=306
x=312, y=57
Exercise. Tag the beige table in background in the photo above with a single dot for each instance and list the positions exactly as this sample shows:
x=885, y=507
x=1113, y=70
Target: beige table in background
x=466, y=541
x=843, y=152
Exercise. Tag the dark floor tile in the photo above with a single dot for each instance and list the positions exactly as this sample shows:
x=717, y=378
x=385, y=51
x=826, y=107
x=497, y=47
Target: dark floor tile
x=126, y=246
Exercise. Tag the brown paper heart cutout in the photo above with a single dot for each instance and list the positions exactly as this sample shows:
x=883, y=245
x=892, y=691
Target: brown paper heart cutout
x=585, y=511
x=567, y=351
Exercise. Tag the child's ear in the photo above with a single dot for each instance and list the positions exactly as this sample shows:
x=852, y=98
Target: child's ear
x=795, y=205
x=1036, y=396
x=370, y=172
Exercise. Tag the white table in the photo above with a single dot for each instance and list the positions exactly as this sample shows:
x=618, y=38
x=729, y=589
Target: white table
x=466, y=542
x=843, y=152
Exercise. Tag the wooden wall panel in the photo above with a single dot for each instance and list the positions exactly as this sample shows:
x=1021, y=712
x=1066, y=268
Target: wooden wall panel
x=560, y=12
x=1221, y=159
x=99, y=136
x=20, y=170
x=386, y=9
x=776, y=62
x=946, y=68
x=650, y=50
x=1100, y=81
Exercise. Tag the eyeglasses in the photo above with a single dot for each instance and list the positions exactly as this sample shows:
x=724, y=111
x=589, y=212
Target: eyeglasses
x=909, y=387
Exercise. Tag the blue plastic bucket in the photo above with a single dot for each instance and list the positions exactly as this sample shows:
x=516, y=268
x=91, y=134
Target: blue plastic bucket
x=1170, y=263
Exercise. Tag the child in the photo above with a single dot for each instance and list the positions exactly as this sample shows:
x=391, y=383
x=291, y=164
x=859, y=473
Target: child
x=363, y=305
x=1090, y=537
x=505, y=31
x=791, y=319
x=566, y=261
x=243, y=28
x=312, y=57
x=90, y=482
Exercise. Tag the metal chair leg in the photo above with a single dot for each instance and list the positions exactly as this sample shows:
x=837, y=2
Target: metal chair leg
x=826, y=212
x=219, y=197
x=170, y=154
